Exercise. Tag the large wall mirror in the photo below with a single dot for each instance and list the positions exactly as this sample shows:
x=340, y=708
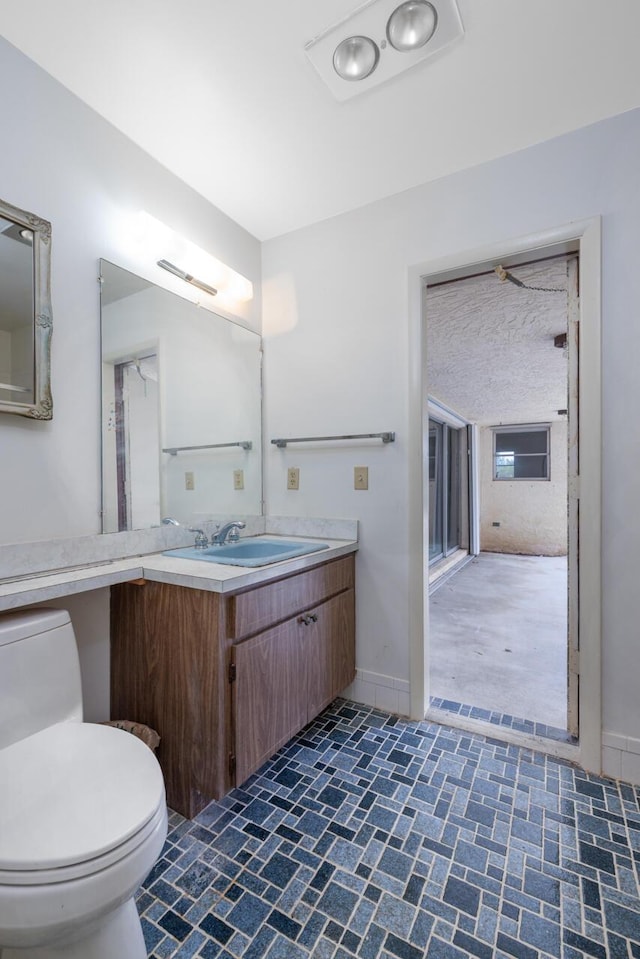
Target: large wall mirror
x=25, y=313
x=181, y=415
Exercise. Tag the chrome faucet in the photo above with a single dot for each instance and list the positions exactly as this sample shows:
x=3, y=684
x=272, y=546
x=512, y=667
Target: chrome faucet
x=230, y=533
x=201, y=537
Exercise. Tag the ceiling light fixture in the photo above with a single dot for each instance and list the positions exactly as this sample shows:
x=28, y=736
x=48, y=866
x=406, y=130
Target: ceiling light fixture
x=355, y=58
x=411, y=25
x=13, y=231
x=381, y=39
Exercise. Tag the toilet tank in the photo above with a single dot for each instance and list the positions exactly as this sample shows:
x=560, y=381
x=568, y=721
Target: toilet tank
x=39, y=673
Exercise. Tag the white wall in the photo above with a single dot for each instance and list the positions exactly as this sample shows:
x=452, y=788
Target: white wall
x=66, y=164
x=337, y=360
x=532, y=515
x=89, y=614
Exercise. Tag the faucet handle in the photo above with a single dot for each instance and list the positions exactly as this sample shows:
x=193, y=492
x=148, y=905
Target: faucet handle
x=201, y=537
x=234, y=534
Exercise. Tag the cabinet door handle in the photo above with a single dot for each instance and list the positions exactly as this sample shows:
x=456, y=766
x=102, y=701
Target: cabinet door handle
x=307, y=618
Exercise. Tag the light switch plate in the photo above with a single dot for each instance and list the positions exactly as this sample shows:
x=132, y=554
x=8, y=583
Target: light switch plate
x=238, y=479
x=189, y=481
x=361, y=477
x=293, y=478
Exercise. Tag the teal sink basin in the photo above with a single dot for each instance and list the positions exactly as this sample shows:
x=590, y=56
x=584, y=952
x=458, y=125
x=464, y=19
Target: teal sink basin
x=258, y=551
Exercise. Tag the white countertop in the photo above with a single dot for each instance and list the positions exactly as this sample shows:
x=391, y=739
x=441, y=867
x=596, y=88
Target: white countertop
x=193, y=573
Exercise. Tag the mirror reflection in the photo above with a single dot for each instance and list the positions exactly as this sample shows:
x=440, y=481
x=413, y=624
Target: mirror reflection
x=16, y=312
x=181, y=394
x=25, y=313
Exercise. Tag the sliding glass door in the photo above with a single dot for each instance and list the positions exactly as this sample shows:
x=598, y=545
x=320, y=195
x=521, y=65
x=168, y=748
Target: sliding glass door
x=436, y=542
x=448, y=489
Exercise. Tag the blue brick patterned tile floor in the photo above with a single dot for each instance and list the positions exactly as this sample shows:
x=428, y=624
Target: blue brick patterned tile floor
x=502, y=719
x=380, y=838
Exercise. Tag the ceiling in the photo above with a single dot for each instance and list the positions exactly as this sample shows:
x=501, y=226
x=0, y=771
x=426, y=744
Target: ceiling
x=491, y=355
x=222, y=94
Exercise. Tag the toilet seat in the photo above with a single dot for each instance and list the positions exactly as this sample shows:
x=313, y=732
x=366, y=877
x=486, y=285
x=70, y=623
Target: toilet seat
x=80, y=870
x=82, y=797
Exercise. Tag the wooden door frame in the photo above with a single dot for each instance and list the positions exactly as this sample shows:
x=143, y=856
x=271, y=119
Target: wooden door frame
x=584, y=235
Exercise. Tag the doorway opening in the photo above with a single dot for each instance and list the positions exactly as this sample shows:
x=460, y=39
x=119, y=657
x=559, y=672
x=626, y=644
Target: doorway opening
x=501, y=441
x=131, y=490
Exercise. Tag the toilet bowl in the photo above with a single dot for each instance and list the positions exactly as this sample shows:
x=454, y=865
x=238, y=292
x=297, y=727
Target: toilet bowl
x=82, y=807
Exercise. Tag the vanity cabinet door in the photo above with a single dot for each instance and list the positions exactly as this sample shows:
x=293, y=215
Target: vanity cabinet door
x=285, y=676
x=330, y=651
x=269, y=693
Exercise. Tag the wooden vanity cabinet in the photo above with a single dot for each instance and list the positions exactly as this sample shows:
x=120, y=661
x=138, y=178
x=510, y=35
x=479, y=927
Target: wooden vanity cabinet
x=285, y=676
x=168, y=672
x=228, y=679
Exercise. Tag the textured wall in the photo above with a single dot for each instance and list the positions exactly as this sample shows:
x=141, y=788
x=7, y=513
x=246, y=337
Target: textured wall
x=491, y=357
x=532, y=515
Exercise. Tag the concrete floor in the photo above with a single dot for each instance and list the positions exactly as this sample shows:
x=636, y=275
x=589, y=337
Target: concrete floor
x=498, y=633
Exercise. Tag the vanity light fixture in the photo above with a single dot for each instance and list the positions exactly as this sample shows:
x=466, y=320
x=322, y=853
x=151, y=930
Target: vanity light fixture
x=381, y=39
x=171, y=268
x=151, y=241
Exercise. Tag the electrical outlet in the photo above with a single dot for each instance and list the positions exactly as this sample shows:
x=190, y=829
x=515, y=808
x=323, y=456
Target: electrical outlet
x=361, y=477
x=189, y=481
x=293, y=478
x=238, y=479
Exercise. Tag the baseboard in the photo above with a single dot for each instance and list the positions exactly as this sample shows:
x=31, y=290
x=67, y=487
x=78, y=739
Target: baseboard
x=621, y=757
x=383, y=692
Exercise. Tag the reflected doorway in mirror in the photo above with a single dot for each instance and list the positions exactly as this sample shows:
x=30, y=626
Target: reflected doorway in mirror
x=133, y=425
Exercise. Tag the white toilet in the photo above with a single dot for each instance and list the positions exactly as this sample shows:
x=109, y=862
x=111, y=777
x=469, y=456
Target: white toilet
x=82, y=807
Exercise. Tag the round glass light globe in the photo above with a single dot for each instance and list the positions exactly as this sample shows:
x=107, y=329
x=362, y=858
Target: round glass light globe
x=355, y=58
x=411, y=25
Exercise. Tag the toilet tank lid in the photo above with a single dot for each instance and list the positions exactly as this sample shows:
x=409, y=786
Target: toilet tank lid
x=31, y=622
